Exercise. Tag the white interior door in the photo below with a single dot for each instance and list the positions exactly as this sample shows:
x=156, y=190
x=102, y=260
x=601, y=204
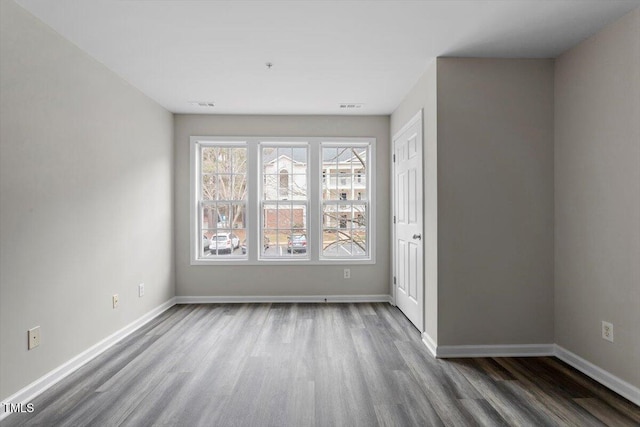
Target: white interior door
x=407, y=208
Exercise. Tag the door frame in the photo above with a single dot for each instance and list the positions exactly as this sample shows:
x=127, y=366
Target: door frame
x=415, y=118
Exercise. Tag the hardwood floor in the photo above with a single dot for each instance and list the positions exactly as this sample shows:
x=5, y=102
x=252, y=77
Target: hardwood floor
x=313, y=364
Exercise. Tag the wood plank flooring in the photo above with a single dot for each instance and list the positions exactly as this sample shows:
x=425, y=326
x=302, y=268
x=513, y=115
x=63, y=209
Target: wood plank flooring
x=313, y=365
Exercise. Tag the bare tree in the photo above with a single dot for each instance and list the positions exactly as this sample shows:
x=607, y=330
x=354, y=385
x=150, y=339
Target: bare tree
x=224, y=179
x=342, y=236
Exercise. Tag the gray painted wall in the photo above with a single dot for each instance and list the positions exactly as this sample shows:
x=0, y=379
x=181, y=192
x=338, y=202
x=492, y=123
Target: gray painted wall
x=495, y=201
x=87, y=202
x=423, y=97
x=221, y=280
x=597, y=203
x=488, y=162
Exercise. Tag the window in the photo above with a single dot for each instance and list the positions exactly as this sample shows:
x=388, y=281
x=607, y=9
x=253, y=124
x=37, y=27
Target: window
x=284, y=183
x=222, y=200
x=285, y=200
x=284, y=217
x=345, y=206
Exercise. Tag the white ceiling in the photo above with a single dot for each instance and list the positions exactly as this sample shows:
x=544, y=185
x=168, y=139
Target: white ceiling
x=324, y=52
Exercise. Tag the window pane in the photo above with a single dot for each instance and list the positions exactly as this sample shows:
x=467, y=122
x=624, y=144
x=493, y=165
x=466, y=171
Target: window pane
x=205, y=242
x=237, y=217
x=298, y=187
x=224, y=242
x=344, y=173
x=284, y=173
x=238, y=161
x=209, y=187
x=223, y=173
x=227, y=230
x=223, y=215
x=214, y=216
x=270, y=187
x=284, y=231
x=209, y=159
x=238, y=187
x=345, y=230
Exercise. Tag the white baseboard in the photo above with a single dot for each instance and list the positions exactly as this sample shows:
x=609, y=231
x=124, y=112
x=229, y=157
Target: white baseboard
x=283, y=298
x=430, y=343
x=510, y=350
x=28, y=393
x=623, y=388
x=605, y=378
x=618, y=385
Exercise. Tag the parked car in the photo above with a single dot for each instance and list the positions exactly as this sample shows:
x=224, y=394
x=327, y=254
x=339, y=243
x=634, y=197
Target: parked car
x=265, y=244
x=297, y=243
x=223, y=242
x=205, y=243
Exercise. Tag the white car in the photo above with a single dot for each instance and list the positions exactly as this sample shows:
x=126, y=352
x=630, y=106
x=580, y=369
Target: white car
x=223, y=242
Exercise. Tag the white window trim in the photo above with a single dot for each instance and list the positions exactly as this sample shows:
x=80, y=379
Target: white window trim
x=314, y=186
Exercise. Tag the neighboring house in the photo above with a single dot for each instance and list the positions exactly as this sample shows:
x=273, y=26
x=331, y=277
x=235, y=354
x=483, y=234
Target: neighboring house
x=343, y=178
x=285, y=179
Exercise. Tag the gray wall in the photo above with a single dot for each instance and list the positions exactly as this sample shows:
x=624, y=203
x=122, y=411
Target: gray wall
x=495, y=201
x=597, y=204
x=488, y=162
x=423, y=96
x=488, y=201
x=86, y=195
x=243, y=280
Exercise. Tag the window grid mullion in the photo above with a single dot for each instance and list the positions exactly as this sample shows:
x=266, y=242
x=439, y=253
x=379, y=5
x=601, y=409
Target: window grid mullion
x=353, y=220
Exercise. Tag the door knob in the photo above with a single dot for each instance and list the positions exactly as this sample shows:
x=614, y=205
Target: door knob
x=417, y=236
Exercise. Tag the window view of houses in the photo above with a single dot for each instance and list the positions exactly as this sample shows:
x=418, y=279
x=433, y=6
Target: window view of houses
x=344, y=201
x=284, y=201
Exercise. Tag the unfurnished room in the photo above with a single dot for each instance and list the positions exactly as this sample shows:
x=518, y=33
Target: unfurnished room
x=319, y=213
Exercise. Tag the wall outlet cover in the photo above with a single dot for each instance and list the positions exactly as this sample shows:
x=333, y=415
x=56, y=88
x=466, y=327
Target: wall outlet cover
x=607, y=331
x=33, y=335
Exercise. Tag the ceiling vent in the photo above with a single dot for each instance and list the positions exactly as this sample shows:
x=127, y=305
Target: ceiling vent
x=203, y=104
x=351, y=106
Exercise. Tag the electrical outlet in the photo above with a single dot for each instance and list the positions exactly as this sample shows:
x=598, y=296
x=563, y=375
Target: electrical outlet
x=141, y=290
x=115, y=299
x=33, y=335
x=607, y=331
x=347, y=273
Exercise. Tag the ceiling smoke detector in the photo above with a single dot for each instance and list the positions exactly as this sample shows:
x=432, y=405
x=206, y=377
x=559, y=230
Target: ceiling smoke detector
x=351, y=106
x=203, y=104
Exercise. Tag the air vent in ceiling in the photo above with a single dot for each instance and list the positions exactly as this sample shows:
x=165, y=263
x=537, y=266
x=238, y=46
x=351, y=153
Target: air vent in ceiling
x=351, y=106
x=203, y=104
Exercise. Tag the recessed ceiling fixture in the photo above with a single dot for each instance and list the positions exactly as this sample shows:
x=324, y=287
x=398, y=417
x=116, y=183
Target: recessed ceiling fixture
x=352, y=105
x=269, y=65
x=205, y=104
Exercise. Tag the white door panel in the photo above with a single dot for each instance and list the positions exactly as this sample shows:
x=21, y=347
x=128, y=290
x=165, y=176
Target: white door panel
x=407, y=208
x=413, y=272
